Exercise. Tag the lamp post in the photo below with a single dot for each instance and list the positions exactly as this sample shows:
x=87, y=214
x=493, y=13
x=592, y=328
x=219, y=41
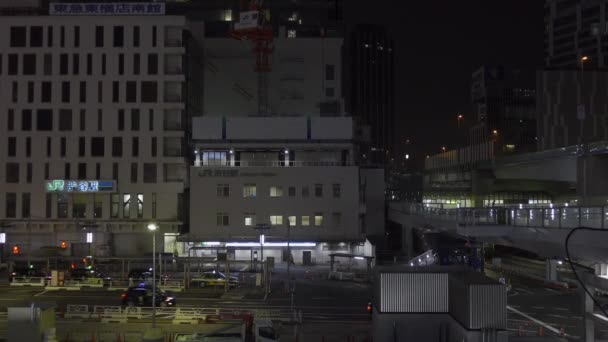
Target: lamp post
x=152, y=227
x=581, y=114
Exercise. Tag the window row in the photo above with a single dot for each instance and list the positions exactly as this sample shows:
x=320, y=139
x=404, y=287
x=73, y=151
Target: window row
x=135, y=118
x=70, y=92
x=250, y=190
x=249, y=219
x=92, y=64
x=19, y=36
x=137, y=172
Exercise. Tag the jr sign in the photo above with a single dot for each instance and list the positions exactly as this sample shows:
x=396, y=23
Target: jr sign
x=60, y=185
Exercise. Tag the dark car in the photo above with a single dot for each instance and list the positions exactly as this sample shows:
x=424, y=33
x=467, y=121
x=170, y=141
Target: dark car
x=25, y=272
x=145, y=274
x=86, y=273
x=142, y=296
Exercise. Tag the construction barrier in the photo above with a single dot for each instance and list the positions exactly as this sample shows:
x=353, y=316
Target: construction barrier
x=28, y=281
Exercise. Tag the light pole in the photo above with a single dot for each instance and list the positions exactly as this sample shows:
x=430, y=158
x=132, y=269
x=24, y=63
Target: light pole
x=152, y=227
x=581, y=114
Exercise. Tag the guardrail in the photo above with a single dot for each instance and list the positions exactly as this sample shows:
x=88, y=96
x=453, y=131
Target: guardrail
x=28, y=281
x=556, y=217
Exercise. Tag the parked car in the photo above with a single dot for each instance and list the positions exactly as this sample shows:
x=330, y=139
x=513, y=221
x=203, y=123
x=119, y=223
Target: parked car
x=214, y=278
x=86, y=273
x=142, y=296
x=145, y=274
x=26, y=272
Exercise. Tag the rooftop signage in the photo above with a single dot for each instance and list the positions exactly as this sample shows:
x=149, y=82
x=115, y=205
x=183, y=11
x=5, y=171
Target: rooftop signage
x=107, y=8
x=81, y=186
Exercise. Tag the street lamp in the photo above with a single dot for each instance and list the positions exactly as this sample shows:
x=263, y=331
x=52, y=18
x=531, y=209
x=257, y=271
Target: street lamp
x=459, y=118
x=152, y=227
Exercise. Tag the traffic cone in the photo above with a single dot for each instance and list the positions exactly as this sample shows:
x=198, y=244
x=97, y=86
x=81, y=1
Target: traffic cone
x=541, y=331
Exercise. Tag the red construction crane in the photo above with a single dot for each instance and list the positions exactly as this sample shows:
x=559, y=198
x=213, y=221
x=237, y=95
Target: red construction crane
x=253, y=25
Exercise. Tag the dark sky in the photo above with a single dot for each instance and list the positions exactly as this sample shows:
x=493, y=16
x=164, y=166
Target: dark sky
x=438, y=44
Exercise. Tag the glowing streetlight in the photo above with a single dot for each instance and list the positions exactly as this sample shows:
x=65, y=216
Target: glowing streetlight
x=495, y=132
x=407, y=156
x=153, y=227
x=443, y=148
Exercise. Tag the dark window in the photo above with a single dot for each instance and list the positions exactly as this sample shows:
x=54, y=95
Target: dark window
x=66, y=171
x=121, y=64
x=97, y=207
x=10, y=120
x=45, y=91
x=114, y=171
x=76, y=36
x=48, y=64
x=49, y=205
x=135, y=36
x=12, y=147
x=30, y=92
x=82, y=171
x=75, y=64
x=11, y=204
x=13, y=64
x=83, y=116
x=0, y=64
x=330, y=70
x=65, y=92
x=119, y=36
x=63, y=64
x=29, y=64
x=83, y=92
x=97, y=147
x=329, y=92
x=12, y=172
x=135, y=147
x=36, y=36
x=49, y=36
x=28, y=146
x=99, y=119
x=135, y=119
x=62, y=147
x=15, y=91
x=121, y=119
x=48, y=147
x=153, y=36
x=97, y=171
x=18, y=36
x=152, y=64
x=103, y=64
x=44, y=119
x=116, y=147
x=153, y=150
x=133, y=172
x=46, y=171
x=131, y=91
x=26, y=120
x=81, y=146
x=115, y=91
x=148, y=91
x=136, y=64
x=62, y=36
x=65, y=119
x=149, y=173
x=318, y=190
x=89, y=64
x=151, y=119
x=62, y=206
x=99, y=91
x=28, y=173
x=98, y=36
x=25, y=204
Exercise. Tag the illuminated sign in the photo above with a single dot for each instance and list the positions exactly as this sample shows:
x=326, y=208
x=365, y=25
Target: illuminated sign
x=60, y=185
x=107, y=8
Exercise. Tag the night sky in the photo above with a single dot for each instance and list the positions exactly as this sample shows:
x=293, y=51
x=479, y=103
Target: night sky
x=438, y=44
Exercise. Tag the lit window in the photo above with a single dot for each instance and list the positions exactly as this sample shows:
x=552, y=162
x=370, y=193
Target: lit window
x=249, y=219
x=126, y=205
x=276, y=191
x=214, y=158
x=276, y=220
x=318, y=219
x=2, y=237
x=89, y=237
x=305, y=220
x=291, y=220
x=140, y=205
x=249, y=190
x=228, y=15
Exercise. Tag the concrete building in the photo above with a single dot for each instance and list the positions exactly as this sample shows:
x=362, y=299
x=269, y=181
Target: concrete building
x=503, y=101
x=574, y=29
x=92, y=124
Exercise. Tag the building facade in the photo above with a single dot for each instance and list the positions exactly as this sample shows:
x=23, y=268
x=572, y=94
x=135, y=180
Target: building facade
x=574, y=29
x=92, y=122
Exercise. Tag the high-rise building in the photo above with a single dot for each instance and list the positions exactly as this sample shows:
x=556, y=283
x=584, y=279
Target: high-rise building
x=504, y=109
x=92, y=120
x=573, y=29
x=370, y=95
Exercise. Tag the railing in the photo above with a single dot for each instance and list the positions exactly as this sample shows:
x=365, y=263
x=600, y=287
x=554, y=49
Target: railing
x=273, y=163
x=557, y=217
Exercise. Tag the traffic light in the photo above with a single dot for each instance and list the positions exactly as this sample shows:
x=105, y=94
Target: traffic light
x=63, y=245
x=16, y=249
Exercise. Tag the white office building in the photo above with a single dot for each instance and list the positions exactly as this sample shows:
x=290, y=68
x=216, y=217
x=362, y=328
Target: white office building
x=284, y=179
x=92, y=129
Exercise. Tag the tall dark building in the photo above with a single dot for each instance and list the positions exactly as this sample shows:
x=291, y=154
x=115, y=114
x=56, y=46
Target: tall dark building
x=576, y=28
x=371, y=86
x=504, y=106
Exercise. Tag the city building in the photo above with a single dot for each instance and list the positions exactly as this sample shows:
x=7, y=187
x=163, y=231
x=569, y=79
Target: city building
x=93, y=124
x=371, y=89
x=571, y=107
x=574, y=29
x=504, y=108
